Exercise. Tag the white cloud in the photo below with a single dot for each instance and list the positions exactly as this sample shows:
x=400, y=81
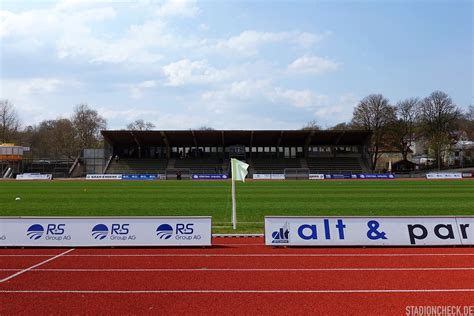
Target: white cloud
x=192, y=72
x=50, y=23
x=240, y=90
x=135, y=46
x=186, y=8
x=299, y=98
x=307, y=40
x=338, y=109
x=262, y=90
x=33, y=86
x=313, y=65
x=137, y=91
x=155, y=53
x=250, y=41
x=70, y=28
x=34, y=98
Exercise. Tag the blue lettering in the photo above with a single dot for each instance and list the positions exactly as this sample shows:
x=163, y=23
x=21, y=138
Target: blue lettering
x=119, y=229
x=184, y=229
x=115, y=229
x=327, y=231
x=313, y=232
x=340, y=226
x=54, y=229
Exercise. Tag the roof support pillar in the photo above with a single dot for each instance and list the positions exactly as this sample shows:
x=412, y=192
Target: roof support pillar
x=138, y=144
x=195, y=143
x=307, y=142
x=223, y=144
x=279, y=143
x=168, y=148
x=251, y=144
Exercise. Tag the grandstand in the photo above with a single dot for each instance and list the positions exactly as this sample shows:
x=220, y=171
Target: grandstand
x=209, y=151
x=137, y=166
x=58, y=168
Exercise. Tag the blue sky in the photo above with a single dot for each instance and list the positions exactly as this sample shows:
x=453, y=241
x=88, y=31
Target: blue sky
x=230, y=64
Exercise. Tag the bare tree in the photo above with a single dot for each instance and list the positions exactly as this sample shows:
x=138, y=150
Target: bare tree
x=341, y=126
x=311, y=125
x=54, y=138
x=438, y=117
x=403, y=130
x=88, y=124
x=469, y=117
x=470, y=113
x=205, y=128
x=9, y=122
x=374, y=113
x=140, y=125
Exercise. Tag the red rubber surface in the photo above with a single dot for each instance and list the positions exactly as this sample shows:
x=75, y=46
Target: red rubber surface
x=97, y=290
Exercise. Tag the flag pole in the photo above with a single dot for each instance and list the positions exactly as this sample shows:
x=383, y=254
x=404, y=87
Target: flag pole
x=234, y=206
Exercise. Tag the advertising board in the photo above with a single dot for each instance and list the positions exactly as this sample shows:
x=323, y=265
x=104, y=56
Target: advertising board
x=369, y=231
x=209, y=177
x=105, y=231
x=268, y=176
x=104, y=177
x=34, y=176
x=141, y=177
x=444, y=175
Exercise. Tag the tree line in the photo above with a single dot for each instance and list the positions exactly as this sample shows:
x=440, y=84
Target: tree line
x=57, y=138
x=435, y=121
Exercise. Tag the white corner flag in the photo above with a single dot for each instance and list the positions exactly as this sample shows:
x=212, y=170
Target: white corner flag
x=239, y=172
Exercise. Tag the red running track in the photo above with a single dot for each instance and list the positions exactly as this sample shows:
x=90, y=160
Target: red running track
x=239, y=276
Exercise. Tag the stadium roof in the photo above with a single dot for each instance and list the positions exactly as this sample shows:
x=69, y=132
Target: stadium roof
x=204, y=138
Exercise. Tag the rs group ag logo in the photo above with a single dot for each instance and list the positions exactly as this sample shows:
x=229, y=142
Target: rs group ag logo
x=100, y=231
x=35, y=231
x=281, y=236
x=164, y=231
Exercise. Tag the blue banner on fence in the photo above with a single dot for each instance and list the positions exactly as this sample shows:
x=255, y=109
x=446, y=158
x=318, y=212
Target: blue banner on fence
x=359, y=176
x=210, y=177
x=375, y=176
x=141, y=177
x=340, y=176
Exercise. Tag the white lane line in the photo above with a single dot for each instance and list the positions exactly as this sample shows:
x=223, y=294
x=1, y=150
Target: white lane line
x=231, y=291
x=260, y=255
x=36, y=265
x=241, y=269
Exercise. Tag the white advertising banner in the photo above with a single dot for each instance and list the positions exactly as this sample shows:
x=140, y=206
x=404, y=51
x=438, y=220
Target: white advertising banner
x=316, y=176
x=278, y=176
x=268, y=176
x=105, y=231
x=104, y=177
x=369, y=231
x=440, y=175
x=34, y=176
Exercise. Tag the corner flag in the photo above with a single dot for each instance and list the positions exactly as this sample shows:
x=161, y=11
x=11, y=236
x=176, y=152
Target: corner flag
x=239, y=172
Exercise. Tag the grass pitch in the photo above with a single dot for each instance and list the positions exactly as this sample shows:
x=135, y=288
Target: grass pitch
x=255, y=199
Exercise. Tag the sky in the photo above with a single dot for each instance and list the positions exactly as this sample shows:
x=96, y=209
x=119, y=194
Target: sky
x=230, y=64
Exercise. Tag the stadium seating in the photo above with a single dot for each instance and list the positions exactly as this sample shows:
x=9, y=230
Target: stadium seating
x=278, y=165
x=216, y=165
x=137, y=166
x=335, y=165
x=201, y=165
x=58, y=168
